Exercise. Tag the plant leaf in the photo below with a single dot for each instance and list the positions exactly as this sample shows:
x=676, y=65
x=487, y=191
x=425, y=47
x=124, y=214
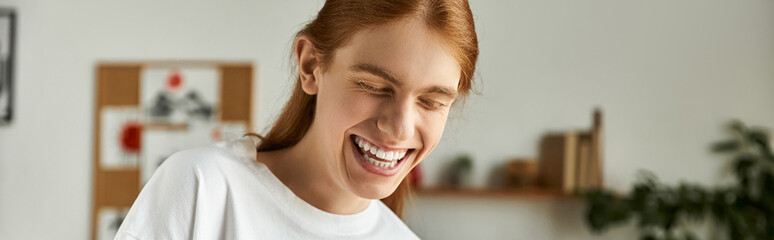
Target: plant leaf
x=726, y=146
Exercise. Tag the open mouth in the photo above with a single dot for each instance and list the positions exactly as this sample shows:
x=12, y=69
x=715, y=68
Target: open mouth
x=384, y=162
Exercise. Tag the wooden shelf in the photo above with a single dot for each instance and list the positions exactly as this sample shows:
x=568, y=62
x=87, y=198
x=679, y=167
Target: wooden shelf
x=165, y=126
x=522, y=193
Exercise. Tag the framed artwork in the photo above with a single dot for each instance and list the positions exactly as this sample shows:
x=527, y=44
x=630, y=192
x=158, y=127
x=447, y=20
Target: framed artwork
x=180, y=94
x=7, y=41
x=120, y=137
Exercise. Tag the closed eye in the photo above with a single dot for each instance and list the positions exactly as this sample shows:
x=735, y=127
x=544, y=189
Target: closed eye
x=432, y=105
x=374, y=90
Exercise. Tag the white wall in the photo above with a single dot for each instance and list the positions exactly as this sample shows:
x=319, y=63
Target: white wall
x=668, y=75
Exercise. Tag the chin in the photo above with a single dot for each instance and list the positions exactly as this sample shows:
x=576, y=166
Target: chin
x=373, y=192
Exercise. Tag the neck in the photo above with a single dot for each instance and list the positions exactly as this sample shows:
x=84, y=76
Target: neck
x=317, y=181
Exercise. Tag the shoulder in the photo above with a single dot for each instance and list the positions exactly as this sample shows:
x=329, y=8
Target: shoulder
x=188, y=191
x=207, y=169
x=209, y=159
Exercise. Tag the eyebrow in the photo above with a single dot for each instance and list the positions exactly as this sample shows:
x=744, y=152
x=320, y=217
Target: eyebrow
x=387, y=75
x=376, y=70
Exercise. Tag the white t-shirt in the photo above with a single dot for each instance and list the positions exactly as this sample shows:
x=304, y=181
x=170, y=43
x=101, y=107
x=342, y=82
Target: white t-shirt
x=219, y=191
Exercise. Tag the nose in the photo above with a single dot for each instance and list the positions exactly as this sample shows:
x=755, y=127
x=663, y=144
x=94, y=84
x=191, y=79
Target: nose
x=397, y=120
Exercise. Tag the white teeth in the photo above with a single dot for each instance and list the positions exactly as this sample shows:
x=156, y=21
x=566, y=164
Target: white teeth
x=384, y=156
x=380, y=164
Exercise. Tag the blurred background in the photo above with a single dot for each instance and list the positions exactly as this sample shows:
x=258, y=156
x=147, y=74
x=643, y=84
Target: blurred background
x=667, y=75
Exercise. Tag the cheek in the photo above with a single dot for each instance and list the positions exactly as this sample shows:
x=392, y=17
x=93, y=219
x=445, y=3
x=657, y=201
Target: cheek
x=432, y=127
x=342, y=109
x=355, y=105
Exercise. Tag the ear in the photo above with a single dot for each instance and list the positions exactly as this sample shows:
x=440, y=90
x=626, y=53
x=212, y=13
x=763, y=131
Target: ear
x=306, y=57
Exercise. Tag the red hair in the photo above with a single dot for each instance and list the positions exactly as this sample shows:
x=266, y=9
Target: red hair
x=338, y=21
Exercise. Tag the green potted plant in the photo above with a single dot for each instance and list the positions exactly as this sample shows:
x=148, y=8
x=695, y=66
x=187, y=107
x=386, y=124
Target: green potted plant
x=461, y=170
x=744, y=209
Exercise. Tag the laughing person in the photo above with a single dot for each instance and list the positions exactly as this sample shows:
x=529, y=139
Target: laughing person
x=376, y=81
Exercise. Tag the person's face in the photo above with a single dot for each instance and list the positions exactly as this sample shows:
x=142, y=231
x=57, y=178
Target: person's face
x=382, y=104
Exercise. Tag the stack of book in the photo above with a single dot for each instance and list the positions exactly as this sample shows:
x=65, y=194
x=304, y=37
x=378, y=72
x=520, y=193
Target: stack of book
x=572, y=161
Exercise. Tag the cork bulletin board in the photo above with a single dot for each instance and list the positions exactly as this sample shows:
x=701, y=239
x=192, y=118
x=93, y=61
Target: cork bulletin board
x=144, y=111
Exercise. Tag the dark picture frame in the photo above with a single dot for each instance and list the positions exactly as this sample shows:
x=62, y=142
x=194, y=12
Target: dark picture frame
x=7, y=52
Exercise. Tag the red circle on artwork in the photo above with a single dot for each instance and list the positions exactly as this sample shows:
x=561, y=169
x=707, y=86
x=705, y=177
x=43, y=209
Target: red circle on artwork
x=129, y=137
x=174, y=80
